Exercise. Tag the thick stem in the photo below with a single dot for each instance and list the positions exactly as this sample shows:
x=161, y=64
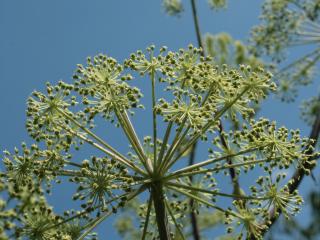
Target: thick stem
x=160, y=209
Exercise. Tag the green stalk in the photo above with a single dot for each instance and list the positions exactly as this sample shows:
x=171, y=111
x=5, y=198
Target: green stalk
x=201, y=200
x=176, y=139
x=133, y=143
x=94, y=136
x=93, y=225
x=176, y=142
x=84, y=212
x=214, y=160
x=109, y=153
x=100, y=219
x=168, y=162
x=135, y=138
x=191, y=188
x=174, y=220
x=218, y=168
x=164, y=144
x=154, y=118
x=160, y=209
x=146, y=223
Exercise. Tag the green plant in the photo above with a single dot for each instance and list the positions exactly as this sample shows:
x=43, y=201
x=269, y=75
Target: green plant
x=198, y=95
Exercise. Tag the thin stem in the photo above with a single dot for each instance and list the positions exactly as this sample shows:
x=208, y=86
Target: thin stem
x=154, y=118
x=94, y=224
x=164, y=144
x=67, y=173
x=106, y=151
x=172, y=176
x=214, y=160
x=130, y=136
x=174, y=219
x=174, y=145
x=194, y=220
x=135, y=138
x=169, y=163
x=201, y=200
x=100, y=219
x=215, y=193
x=73, y=164
x=94, y=136
x=85, y=212
x=146, y=223
x=195, y=229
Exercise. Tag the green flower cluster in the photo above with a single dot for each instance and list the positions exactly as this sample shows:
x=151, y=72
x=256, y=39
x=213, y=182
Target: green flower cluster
x=196, y=94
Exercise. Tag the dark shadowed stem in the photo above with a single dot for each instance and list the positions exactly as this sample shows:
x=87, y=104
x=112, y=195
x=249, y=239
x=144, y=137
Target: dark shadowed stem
x=160, y=209
x=299, y=174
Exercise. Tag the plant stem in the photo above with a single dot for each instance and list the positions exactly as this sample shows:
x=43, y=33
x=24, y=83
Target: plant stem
x=133, y=138
x=175, y=143
x=164, y=144
x=214, y=160
x=145, y=227
x=202, y=200
x=174, y=220
x=154, y=118
x=95, y=223
x=215, y=193
x=169, y=163
x=124, y=161
x=94, y=136
x=160, y=209
x=227, y=166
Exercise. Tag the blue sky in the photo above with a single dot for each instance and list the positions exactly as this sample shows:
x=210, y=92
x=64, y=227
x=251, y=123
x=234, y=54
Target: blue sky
x=43, y=40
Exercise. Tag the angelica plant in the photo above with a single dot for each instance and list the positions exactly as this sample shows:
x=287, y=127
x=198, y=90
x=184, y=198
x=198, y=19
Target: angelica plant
x=190, y=95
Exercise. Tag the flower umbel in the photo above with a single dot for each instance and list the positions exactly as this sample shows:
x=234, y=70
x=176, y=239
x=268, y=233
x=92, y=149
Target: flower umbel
x=190, y=95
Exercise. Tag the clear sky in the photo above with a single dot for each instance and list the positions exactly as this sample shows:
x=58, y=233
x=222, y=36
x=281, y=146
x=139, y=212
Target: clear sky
x=42, y=40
